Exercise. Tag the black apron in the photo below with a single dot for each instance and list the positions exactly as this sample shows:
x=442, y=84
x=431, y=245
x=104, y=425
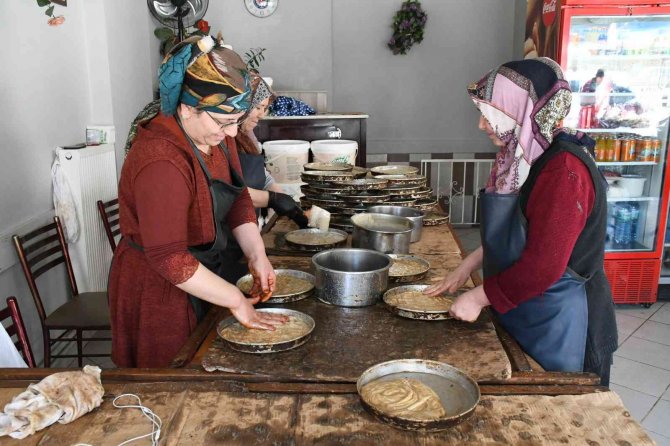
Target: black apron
x=211, y=255
x=253, y=171
x=552, y=327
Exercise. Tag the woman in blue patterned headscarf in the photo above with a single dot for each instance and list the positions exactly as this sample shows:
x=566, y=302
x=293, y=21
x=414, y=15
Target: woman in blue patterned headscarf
x=181, y=197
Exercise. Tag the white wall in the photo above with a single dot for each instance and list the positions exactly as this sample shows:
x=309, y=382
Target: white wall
x=298, y=38
x=53, y=82
x=416, y=102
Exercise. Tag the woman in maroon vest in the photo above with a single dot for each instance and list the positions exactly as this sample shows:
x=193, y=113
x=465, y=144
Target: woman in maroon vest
x=181, y=193
x=544, y=216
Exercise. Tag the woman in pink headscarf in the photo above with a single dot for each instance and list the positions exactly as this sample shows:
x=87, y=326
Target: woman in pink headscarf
x=544, y=217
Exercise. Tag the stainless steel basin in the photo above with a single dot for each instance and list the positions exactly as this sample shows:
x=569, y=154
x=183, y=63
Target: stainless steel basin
x=351, y=277
x=415, y=215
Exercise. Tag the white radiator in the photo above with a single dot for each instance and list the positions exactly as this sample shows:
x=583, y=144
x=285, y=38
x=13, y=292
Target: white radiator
x=91, y=174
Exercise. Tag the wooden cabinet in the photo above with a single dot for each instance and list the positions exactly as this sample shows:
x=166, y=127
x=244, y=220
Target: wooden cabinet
x=351, y=126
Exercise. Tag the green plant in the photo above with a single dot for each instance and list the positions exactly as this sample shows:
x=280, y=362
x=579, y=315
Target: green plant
x=254, y=57
x=408, y=25
x=49, y=12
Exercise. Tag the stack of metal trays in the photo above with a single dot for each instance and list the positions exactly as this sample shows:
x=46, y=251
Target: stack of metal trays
x=348, y=192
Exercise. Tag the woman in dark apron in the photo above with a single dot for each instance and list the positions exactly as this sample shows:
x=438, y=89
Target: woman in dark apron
x=181, y=194
x=543, y=225
x=265, y=193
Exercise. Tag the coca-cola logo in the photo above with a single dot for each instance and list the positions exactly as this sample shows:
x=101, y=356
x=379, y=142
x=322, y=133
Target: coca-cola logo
x=549, y=12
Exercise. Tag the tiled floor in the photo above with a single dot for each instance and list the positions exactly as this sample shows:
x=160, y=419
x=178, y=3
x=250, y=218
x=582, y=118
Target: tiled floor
x=641, y=370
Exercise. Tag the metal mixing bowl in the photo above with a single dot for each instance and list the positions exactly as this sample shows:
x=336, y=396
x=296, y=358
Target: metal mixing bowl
x=351, y=277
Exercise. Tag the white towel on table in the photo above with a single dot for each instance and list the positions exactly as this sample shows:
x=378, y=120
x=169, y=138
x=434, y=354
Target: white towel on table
x=61, y=397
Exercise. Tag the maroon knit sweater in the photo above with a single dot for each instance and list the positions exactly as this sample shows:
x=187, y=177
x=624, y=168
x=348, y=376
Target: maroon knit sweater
x=557, y=209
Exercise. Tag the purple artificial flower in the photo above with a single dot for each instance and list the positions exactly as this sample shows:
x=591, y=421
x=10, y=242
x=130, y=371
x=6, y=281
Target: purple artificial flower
x=404, y=24
x=412, y=7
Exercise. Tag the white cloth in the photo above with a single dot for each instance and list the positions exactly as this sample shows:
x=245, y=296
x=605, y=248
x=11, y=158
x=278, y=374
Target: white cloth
x=9, y=355
x=61, y=397
x=64, y=203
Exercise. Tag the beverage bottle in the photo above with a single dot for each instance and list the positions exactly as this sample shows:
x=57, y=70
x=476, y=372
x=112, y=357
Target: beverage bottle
x=622, y=225
x=611, y=221
x=634, y=217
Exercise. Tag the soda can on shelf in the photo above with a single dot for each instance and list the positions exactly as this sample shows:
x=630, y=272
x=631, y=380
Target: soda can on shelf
x=615, y=144
x=656, y=149
x=609, y=148
x=599, y=149
x=627, y=149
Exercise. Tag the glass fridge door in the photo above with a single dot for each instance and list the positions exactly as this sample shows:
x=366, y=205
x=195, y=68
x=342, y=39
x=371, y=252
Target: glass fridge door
x=618, y=68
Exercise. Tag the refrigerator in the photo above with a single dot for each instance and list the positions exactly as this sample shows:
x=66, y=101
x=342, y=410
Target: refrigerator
x=616, y=57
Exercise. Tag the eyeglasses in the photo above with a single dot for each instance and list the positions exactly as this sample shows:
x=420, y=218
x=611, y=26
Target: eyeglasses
x=223, y=125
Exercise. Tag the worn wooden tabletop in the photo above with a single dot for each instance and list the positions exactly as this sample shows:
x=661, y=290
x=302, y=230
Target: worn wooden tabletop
x=346, y=341
x=217, y=413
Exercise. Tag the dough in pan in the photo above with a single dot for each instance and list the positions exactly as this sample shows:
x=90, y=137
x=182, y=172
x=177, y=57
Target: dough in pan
x=286, y=285
x=294, y=328
x=417, y=301
x=404, y=398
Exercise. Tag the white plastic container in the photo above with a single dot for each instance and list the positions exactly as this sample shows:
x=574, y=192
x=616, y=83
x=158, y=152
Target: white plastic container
x=284, y=159
x=334, y=151
x=633, y=185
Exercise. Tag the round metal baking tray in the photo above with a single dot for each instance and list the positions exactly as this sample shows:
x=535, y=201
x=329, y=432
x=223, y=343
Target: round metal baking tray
x=434, y=218
x=360, y=184
x=370, y=196
x=257, y=347
x=322, y=176
x=294, y=238
x=398, y=277
x=402, y=201
x=359, y=172
x=404, y=180
x=245, y=283
x=423, y=315
x=426, y=204
x=329, y=167
x=459, y=393
x=394, y=170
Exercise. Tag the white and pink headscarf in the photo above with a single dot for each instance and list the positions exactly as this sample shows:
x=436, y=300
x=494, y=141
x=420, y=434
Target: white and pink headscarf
x=524, y=101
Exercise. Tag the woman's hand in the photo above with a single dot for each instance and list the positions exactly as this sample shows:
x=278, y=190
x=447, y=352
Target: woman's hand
x=468, y=305
x=264, y=277
x=245, y=313
x=451, y=282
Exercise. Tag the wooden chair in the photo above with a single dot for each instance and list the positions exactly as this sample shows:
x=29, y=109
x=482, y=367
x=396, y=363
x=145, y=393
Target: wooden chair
x=109, y=213
x=16, y=328
x=39, y=251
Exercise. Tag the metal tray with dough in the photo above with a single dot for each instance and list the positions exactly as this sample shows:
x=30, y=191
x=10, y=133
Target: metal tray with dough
x=231, y=331
x=459, y=394
x=407, y=268
x=284, y=277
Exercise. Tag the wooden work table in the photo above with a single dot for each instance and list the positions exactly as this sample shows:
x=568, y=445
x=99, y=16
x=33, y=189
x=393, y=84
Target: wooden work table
x=276, y=400
x=224, y=413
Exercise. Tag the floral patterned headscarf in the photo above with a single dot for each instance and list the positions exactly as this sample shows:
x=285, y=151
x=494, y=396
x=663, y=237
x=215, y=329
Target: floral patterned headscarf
x=260, y=91
x=524, y=101
x=201, y=73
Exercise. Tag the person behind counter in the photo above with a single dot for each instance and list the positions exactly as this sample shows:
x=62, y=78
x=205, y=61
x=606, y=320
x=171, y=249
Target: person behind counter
x=180, y=191
x=543, y=266
x=262, y=187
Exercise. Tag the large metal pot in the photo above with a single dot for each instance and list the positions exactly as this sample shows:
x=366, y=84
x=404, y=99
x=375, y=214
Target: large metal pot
x=415, y=215
x=381, y=232
x=351, y=277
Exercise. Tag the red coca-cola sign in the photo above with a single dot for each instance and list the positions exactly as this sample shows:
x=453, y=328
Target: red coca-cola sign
x=549, y=12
